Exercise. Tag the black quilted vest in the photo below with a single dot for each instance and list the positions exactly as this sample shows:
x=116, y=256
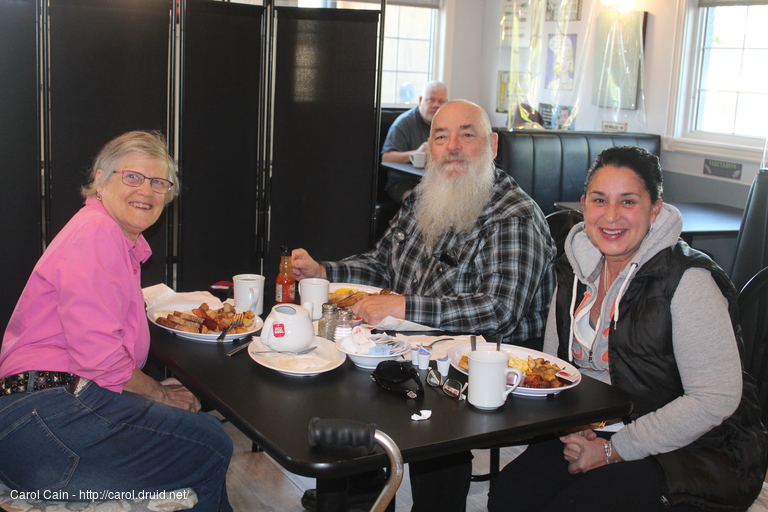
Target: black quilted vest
x=724, y=469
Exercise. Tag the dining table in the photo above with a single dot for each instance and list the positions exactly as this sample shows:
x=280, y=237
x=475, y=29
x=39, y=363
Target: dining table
x=405, y=167
x=274, y=410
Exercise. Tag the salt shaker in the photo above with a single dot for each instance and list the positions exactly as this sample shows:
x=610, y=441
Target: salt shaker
x=343, y=325
x=327, y=323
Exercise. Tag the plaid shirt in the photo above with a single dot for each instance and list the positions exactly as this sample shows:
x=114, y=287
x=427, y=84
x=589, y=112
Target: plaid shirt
x=497, y=279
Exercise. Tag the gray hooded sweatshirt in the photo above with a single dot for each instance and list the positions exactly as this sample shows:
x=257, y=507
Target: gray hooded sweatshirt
x=703, y=341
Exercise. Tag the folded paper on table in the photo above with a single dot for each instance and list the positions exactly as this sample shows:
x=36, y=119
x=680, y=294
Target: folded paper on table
x=161, y=294
x=398, y=324
x=364, y=342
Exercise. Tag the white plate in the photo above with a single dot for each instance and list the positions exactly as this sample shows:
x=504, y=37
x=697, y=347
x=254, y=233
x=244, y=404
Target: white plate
x=286, y=364
x=359, y=287
x=163, y=309
x=458, y=350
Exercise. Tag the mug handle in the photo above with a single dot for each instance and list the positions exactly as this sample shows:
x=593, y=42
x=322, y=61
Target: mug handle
x=519, y=380
x=266, y=331
x=254, y=291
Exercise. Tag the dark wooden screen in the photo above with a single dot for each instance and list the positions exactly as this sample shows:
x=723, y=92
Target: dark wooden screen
x=219, y=141
x=20, y=228
x=108, y=75
x=324, y=136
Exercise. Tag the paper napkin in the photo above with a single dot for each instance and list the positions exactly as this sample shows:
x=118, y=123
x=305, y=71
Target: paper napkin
x=162, y=294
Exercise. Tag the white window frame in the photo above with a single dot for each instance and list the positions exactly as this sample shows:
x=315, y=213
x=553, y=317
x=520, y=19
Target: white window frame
x=681, y=134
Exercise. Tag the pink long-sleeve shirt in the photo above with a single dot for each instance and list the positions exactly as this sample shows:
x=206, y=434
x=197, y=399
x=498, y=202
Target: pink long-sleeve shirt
x=82, y=310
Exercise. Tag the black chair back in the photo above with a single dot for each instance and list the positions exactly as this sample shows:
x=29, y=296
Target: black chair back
x=752, y=241
x=560, y=224
x=753, y=317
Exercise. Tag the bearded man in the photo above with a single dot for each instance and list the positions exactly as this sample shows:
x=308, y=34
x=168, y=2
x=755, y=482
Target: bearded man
x=469, y=250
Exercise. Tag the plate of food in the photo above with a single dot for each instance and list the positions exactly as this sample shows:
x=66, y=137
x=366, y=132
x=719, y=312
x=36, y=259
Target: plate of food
x=544, y=374
x=323, y=359
x=202, y=321
x=345, y=295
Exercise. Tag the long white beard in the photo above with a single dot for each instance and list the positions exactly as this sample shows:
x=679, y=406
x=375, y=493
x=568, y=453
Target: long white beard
x=447, y=202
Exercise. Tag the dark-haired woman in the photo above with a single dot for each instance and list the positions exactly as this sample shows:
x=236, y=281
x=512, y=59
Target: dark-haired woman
x=639, y=309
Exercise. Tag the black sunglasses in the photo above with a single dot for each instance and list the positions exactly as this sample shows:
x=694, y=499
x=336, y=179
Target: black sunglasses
x=398, y=376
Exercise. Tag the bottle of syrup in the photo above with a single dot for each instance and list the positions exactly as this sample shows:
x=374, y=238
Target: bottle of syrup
x=286, y=283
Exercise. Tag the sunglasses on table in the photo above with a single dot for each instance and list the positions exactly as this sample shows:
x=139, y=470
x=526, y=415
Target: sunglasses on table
x=451, y=387
x=398, y=376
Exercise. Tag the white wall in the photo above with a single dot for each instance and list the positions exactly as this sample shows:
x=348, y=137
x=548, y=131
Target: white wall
x=472, y=50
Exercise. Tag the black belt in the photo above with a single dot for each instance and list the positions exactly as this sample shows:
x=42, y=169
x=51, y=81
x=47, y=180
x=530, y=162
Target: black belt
x=35, y=381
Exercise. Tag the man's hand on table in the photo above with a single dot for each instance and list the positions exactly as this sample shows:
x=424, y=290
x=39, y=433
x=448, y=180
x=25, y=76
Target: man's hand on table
x=375, y=308
x=304, y=266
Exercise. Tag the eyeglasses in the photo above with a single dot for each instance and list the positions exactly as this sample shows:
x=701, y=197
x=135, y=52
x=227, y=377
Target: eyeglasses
x=135, y=179
x=399, y=377
x=451, y=387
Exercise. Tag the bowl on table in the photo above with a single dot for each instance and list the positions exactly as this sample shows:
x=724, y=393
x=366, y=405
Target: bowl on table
x=369, y=362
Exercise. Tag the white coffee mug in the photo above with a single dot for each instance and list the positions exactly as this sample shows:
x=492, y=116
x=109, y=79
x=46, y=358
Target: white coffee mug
x=418, y=159
x=488, y=371
x=249, y=292
x=288, y=328
x=314, y=293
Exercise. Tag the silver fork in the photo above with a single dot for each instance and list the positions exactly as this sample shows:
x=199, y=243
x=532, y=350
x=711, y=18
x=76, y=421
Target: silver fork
x=237, y=321
x=427, y=345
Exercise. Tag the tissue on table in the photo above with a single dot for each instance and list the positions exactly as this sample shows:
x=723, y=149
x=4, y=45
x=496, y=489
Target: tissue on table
x=367, y=344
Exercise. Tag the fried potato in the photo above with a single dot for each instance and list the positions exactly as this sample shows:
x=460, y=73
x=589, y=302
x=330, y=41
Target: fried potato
x=539, y=373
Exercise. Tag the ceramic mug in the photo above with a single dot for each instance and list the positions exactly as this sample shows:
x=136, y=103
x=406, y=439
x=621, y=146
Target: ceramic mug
x=289, y=328
x=418, y=159
x=488, y=372
x=314, y=293
x=249, y=292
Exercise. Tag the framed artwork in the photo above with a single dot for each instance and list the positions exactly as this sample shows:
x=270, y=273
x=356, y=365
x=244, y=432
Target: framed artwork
x=618, y=55
x=561, y=62
x=511, y=85
x=515, y=24
x=563, y=10
x=557, y=117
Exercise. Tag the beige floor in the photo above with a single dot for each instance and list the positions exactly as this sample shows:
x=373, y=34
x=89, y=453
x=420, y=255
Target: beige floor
x=256, y=483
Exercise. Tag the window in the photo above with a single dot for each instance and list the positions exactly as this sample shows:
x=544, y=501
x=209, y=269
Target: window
x=732, y=90
x=409, y=35
x=721, y=98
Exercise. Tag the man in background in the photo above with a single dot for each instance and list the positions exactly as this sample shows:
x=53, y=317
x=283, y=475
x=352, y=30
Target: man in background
x=409, y=134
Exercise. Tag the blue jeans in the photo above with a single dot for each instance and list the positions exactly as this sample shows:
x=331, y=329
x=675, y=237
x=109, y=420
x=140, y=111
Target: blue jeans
x=100, y=440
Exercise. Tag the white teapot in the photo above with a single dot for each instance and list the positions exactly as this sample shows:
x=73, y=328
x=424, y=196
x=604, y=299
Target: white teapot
x=288, y=328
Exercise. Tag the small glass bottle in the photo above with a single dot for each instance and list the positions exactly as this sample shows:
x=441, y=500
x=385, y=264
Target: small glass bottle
x=343, y=325
x=285, y=291
x=326, y=326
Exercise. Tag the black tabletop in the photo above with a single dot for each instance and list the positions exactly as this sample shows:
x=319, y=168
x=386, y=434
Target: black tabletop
x=274, y=410
x=404, y=167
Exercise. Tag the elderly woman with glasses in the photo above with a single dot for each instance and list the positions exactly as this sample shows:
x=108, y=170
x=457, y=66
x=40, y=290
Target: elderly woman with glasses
x=77, y=413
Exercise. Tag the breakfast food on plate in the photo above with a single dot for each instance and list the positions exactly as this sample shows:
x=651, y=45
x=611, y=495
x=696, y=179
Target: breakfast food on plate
x=347, y=297
x=539, y=373
x=204, y=320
